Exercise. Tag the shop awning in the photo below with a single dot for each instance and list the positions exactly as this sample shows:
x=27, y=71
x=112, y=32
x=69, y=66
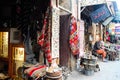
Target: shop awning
x=100, y=14
x=108, y=20
x=117, y=17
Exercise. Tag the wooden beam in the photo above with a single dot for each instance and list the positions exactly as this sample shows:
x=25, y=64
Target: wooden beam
x=64, y=9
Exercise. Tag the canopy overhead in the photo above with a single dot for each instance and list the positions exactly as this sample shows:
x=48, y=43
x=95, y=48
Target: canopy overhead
x=101, y=14
x=117, y=17
x=108, y=20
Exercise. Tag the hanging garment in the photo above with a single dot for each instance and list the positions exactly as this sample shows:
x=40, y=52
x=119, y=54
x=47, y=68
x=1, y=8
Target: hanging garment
x=47, y=46
x=73, y=40
x=36, y=71
x=44, y=38
x=42, y=34
x=28, y=49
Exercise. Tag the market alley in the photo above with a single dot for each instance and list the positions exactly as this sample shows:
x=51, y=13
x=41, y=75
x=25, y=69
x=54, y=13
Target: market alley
x=108, y=71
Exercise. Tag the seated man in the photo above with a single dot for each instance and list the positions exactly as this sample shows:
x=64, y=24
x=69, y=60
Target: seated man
x=99, y=48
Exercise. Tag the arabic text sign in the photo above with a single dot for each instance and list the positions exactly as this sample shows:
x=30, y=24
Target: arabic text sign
x=100, y=14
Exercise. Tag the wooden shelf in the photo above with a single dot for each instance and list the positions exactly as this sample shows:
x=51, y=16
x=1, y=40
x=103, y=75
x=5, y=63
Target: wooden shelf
x=3, y=59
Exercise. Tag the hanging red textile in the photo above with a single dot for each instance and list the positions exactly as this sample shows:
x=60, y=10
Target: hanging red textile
x=42, y=34
x=47, y=45
x=44, y=37
x=73, y=40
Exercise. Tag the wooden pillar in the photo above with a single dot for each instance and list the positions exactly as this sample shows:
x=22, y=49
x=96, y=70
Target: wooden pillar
x=101, y=31
x=55, y=30
x=104, y=30
x=94, y=33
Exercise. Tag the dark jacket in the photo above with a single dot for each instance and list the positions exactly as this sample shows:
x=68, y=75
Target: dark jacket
x=97, y=45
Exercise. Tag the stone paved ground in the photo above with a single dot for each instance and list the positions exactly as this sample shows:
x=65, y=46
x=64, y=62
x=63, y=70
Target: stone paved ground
x=108, y=71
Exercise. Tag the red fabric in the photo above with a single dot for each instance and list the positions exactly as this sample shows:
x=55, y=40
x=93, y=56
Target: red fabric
x=42, y=35
x=73, y=40
x=107, y=36
x=102, y=52
x=34, y=69
x=44, y=39
x=47, y=46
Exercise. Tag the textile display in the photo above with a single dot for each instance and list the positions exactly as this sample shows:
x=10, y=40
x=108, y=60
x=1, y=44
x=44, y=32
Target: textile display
x=28, y=49
x=36, y=71
x=44, y=37
x=73, y=40
x=42, y=34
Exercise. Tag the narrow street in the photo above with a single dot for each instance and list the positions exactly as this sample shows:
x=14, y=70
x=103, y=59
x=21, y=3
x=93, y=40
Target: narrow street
x=108, y=71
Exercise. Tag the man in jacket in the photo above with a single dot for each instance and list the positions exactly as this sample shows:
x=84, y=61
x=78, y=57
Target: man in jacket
x=98, y=47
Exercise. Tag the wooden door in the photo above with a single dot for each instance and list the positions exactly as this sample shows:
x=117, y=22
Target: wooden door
x=64, y=40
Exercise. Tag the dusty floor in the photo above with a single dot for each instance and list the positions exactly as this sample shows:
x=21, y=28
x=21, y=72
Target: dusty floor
x=108, y=71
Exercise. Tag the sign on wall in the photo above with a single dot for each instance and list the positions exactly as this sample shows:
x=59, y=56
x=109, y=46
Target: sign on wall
x=14, y=35
x=117, y=29
x=100, y=14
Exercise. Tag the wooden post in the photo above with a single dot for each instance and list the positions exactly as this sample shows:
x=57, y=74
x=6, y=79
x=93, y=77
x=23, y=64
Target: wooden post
x=94, y=33
x=55, y=30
